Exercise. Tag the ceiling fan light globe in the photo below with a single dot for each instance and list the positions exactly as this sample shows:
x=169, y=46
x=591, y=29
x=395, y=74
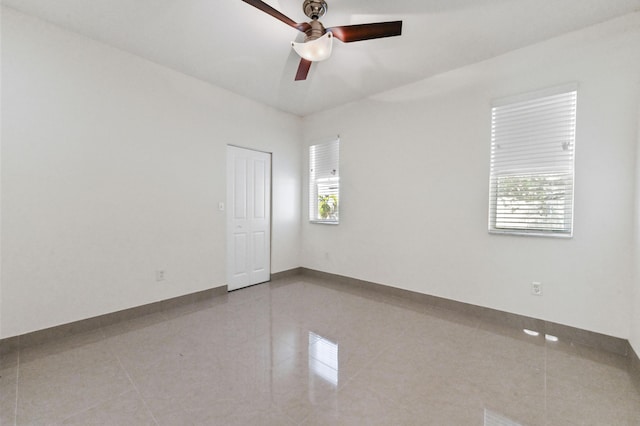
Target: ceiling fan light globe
x=315, y=50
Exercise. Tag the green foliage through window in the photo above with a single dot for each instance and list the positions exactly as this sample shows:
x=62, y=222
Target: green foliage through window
x=535, y=202
x=328, y=206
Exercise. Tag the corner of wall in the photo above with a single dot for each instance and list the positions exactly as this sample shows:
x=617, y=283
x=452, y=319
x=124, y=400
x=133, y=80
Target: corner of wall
x=634, y=338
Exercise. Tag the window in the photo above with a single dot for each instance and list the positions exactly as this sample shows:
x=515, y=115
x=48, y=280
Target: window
x=324, y=182
x=532, y=162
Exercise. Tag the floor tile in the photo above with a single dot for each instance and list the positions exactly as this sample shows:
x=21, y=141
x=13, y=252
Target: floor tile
x=307, y=351
x=8, y=387
x=59, y=380
x=125, y=409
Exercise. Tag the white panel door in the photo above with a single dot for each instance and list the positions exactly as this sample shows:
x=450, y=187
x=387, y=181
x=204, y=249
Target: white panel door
x=248, y=217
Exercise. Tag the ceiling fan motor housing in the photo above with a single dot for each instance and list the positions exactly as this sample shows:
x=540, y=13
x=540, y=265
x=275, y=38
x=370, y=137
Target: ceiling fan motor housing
x=317, y=30
x=314, y=9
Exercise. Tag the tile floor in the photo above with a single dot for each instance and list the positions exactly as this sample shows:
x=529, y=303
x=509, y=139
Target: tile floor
x=300, y=351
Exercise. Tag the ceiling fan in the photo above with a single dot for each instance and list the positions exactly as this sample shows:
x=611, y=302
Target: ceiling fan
x=318, y=39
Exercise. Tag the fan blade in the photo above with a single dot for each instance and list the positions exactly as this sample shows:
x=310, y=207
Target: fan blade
x=303, y=69
x=276, y=14
x=349, y=33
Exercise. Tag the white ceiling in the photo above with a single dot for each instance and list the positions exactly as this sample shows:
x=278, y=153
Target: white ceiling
x=235, y=46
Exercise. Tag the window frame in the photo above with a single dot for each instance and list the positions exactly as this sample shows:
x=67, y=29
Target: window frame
x=329, y=162
x=557, y=189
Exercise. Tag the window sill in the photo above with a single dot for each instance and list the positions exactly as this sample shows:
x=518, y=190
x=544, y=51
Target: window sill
x=325, y=222
x=519, y=233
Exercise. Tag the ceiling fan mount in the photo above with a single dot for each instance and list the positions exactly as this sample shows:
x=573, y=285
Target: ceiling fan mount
x=318, y=39
x=314, y=9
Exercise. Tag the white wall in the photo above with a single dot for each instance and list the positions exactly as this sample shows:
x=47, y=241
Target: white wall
x=112, y=168
x=414, y=186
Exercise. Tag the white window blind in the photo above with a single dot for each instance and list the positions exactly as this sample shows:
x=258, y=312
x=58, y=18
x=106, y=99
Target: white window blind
x=324, y=182
x=532, y=165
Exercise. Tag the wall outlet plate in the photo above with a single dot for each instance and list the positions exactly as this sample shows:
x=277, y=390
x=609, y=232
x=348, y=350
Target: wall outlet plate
x=536, y=288
x=159, y=275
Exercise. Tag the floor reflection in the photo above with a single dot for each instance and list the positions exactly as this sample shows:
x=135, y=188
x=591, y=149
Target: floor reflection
x=494, y=419
x=323, y=358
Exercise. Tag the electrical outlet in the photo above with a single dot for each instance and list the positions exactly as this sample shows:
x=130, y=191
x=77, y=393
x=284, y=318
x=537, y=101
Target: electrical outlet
x=536, y=288
x=159, y=275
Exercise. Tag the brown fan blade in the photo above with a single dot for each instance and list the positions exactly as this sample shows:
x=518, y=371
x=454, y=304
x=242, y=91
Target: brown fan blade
x=278, y=15
x=349, y=33
x=303, y=69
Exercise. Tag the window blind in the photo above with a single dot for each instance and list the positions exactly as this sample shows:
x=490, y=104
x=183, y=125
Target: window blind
x=324, y=182
x=532, y=165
